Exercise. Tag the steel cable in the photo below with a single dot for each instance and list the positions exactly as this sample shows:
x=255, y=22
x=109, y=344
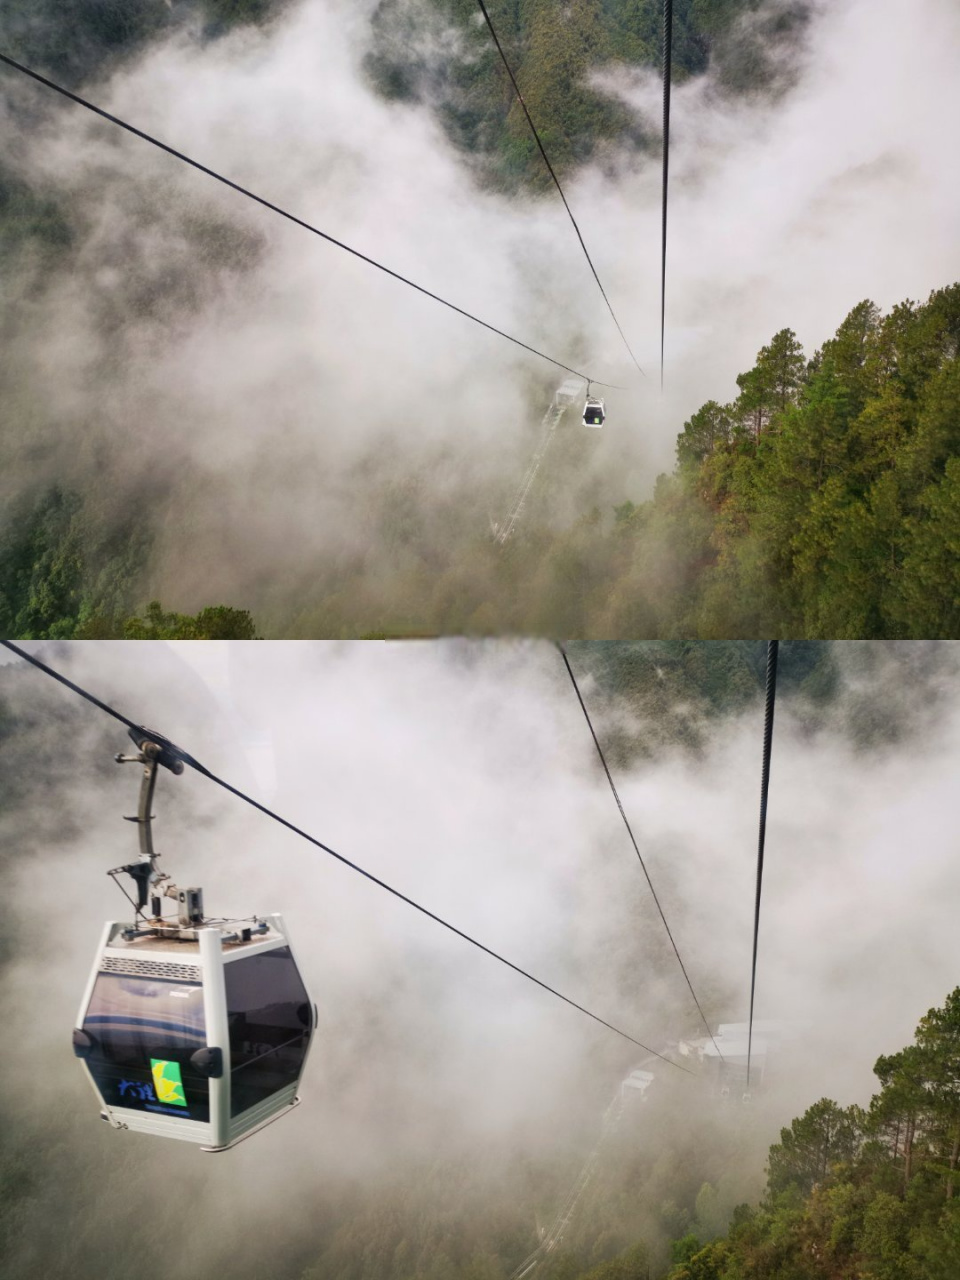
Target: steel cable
x=636, y=847
x=556, y=180
x=772, y=652
x=235, y=186
x=667, y=74
x=195, y=764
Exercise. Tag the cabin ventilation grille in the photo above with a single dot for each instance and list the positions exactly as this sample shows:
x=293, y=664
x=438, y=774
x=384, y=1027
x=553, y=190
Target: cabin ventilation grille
x=150, y=968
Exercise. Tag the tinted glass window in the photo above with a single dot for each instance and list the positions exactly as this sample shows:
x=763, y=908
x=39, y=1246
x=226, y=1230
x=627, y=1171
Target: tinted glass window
x=144, y=1031
x=270, y=1018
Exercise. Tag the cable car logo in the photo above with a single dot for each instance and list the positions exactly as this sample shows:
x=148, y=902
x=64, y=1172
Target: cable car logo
x=137, y=1089
x=169, y=1085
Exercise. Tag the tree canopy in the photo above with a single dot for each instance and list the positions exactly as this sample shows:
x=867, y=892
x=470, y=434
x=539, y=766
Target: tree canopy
x=858, y=1194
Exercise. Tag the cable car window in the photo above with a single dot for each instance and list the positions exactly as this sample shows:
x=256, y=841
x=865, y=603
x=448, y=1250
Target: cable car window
x=144, y=1031
x=270, y=1018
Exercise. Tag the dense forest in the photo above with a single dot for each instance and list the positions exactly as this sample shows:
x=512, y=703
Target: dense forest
x=437, y=52
x=66, y=568
x=76, y=40
x=81, y=561
x=856, y=1193
x=553, y=49
x=823, y=501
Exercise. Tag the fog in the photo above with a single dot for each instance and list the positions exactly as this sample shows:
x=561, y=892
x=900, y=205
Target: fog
x=464, y=775
x=272, y=404
x=787, y=214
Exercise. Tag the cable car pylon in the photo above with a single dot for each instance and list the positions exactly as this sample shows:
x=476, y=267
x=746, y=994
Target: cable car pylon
x=551, y=419
x=594, y=415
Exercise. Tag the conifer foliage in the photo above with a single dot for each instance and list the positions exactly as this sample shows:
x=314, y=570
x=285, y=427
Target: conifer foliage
x=826, y=493
x=861, y=1195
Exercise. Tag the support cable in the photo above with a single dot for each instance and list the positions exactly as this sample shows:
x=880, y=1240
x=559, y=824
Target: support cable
x=235, y=186
x=772, y=650
x=633, y=841
x=556, y=180
x=667, y=75
x=195, y=764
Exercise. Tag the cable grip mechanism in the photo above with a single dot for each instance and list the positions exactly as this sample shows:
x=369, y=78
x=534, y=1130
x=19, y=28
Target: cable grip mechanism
x=153, y=750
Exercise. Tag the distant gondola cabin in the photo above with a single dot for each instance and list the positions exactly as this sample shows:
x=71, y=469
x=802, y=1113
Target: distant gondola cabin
x=593, y=412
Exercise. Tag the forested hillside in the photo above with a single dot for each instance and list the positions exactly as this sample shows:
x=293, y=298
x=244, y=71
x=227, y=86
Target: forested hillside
x=74, y=41
x=854, y=1193
x=71, y=566
x=440, y=52
x=822, y=501
x=61, y=579
x=825, y=500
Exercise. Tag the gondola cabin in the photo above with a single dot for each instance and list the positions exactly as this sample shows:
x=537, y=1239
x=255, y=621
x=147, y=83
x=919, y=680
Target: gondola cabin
x=593, y=412
x=202, y=1038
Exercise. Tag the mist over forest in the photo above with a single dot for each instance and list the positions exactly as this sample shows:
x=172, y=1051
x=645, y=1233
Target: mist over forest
x=448, y=1105
x=207, y=408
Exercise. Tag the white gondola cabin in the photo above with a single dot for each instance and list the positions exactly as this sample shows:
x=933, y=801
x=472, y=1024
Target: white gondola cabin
x=203, y=1040
x=191, y=1028
x=593, y=412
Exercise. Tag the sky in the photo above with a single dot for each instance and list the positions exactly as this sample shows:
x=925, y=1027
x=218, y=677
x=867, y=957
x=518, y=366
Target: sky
x=267, y=398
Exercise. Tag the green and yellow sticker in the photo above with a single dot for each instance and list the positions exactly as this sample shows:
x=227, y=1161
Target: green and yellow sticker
x=168, y=1082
